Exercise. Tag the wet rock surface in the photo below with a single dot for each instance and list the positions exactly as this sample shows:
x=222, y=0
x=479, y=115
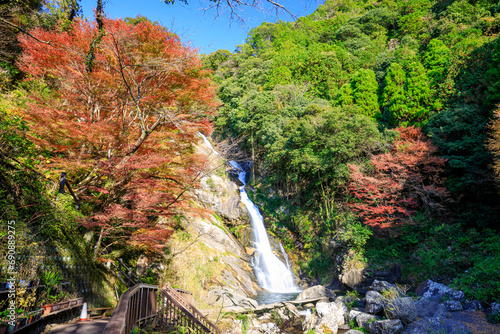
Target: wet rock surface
x=374, y=302
x=385, y=327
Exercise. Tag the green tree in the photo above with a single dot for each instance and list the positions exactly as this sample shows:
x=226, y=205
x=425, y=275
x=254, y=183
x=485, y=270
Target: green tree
x=493, y=91
x=364, y=92
x=418, y=96
x=213, y=60
x=436, y=61
x=393, y=97
x=345, y=95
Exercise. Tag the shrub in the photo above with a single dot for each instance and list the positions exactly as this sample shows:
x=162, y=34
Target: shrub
x=399, y=306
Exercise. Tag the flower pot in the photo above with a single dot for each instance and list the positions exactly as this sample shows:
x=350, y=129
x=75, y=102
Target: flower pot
x=10, y=328
x=46, y=309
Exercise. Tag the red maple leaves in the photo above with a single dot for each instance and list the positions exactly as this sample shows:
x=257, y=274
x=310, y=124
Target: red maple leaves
x=399, y=183
x=121, y=117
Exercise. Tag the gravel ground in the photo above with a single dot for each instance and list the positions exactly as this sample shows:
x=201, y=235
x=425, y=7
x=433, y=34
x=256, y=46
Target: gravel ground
x=476, y=322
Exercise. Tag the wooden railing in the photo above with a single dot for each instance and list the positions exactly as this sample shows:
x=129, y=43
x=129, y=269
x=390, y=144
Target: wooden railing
x=175, y=311
x=144, y=303
x=135, y=307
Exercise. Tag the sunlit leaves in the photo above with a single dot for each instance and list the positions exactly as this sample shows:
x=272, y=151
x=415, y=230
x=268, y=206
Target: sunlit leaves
x=401, y=182
x=119, y=130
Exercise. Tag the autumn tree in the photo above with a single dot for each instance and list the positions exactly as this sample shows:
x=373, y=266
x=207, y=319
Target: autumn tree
x=400, y=183
x=124, y=130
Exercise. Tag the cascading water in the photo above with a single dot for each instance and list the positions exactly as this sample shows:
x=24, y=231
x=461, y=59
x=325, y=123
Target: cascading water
x=272, y=274
x=208, y=143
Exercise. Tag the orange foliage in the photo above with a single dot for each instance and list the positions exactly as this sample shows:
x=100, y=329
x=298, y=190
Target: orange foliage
x=121, y=120
x=406, y=180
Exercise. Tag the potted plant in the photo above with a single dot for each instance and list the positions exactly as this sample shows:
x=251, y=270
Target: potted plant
x=51, y=279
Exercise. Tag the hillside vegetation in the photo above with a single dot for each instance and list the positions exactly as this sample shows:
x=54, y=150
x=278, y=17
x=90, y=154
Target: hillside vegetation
x=114, y=108
x=371, y=129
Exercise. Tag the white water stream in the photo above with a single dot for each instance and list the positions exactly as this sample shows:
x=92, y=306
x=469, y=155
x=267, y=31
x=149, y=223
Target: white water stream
x=272, y=274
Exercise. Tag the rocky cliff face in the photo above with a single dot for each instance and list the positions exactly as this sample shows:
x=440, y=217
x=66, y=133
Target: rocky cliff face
x=205, y=255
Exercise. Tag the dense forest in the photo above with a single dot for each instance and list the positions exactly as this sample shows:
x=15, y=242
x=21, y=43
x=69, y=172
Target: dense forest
x=372, y=131
x=372, y=128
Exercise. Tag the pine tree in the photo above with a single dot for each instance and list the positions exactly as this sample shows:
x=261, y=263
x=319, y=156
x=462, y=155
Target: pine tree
x=394, y=92
x=418, y=95
x=364, y=89
x=436, y=61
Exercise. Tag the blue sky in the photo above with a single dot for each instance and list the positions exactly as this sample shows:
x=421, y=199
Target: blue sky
x=196, y=27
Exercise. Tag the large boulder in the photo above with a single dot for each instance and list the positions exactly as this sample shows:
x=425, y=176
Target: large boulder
x=436, y=325
x=318, y=291
x=427, y=309
x=374, y=302
x=473, y=305
x=352, y=277
x=433, y=291
x=401, y=308
x=325, y=319
x=231, y=299
x=380, y=286
x=362, y=319
x=453, y=305
x=385, y=327
x=269, y=328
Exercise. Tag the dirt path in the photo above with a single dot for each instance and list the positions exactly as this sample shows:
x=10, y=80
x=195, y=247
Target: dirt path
x=476, y=322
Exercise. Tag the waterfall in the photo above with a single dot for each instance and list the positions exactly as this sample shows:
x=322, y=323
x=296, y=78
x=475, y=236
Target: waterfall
x=208, y=143
x=272, y=274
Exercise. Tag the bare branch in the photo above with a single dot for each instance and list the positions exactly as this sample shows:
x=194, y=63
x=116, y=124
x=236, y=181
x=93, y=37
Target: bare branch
x=24, y=31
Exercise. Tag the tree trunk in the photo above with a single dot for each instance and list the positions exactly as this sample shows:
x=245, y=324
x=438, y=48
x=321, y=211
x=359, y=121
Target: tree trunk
x=73, y=10
x=98, y=244
x=98, y=15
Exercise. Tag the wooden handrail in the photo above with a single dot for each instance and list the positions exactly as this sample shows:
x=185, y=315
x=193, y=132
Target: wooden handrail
x=137, y=304
x=187, y=305
x=144, y=302
x=175, y=309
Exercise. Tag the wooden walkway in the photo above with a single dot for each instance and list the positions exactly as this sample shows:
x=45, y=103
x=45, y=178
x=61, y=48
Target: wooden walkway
x=91, y=327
